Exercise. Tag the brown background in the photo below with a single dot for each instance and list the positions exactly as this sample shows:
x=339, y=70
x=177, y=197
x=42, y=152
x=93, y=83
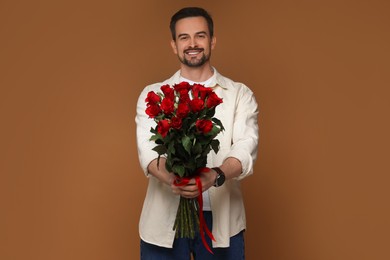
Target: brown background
x=71, y=72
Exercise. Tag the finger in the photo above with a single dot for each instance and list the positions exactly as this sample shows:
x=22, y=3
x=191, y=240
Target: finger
x=175, y=190
x=189, y=188
x=192, y=182
x=189, y=195
x=185, y=190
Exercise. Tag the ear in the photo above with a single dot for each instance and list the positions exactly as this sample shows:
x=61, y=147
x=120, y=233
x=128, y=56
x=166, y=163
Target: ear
x=213, y=42
x=173, y=45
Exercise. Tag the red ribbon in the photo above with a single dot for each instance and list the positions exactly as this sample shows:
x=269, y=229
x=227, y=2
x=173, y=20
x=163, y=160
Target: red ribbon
x=202, y=223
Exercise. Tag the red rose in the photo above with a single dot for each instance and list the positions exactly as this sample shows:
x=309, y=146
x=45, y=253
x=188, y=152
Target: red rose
x=182, y=110
x=152, y=98
x=196, y=90
x=168, y=92
x=182, y=85
x=201, y=91
x=163, y=127
x=176, y=122
x=196, y=105
x=204, y=125
x=213, y=100
x=184, y=97
x=153, y=110
x=167, y=105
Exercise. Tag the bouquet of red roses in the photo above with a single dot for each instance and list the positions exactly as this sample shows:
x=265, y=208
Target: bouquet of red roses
x=185, y=133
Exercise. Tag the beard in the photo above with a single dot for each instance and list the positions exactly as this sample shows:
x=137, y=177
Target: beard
x=194, y=63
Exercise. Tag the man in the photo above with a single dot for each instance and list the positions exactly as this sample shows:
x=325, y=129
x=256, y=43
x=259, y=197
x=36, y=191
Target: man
x=192, y=41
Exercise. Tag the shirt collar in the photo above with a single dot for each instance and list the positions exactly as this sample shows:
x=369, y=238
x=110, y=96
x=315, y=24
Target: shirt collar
x=216, y=82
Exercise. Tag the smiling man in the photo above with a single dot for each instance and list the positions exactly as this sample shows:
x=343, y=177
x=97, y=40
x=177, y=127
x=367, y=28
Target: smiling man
x=192, y=45
x=193, y=41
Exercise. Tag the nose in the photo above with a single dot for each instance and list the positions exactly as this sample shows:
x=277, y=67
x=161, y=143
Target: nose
x=193, y=42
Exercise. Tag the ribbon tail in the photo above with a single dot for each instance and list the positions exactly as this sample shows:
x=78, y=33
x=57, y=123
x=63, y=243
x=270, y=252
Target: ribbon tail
x=202, y=223
x=208, y=232
x=205, y=243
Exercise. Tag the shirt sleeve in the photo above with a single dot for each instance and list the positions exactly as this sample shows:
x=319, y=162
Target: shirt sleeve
x=144, y=124
x=245, y=131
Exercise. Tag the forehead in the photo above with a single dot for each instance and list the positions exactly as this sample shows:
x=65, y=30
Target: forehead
x=191, y=25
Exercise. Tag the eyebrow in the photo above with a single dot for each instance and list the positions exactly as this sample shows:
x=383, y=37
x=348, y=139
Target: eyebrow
x=186, y=34
x=182, y=34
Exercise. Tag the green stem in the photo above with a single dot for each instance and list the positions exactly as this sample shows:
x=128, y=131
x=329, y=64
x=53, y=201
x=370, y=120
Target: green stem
x=187, y=218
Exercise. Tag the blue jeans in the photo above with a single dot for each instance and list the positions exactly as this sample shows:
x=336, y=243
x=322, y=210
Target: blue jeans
x=184, y=247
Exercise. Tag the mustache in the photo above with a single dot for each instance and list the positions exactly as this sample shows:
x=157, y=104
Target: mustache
x=193, y=49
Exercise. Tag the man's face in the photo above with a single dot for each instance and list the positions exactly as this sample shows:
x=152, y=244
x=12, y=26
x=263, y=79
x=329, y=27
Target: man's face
x=193, y=44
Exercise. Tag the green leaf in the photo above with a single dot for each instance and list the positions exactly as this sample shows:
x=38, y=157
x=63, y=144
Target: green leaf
x=155, y=137
x=181, y=152
x=218, y=122
x=201, y=161
x=153, y=130
x=168, y=165
x=211, y=112
x=159, y=140
x=187, y=144
x=171, y=148
x=203, y=113
x=215, y=145
x=160, y=149
x=197, y=149
x=190, y=165
x=179, y=169
x=214, y=131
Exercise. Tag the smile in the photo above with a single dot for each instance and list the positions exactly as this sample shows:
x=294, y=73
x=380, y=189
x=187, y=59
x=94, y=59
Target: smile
x=193, y=52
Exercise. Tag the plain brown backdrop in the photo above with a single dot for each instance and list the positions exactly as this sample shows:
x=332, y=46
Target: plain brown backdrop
x=71, y=71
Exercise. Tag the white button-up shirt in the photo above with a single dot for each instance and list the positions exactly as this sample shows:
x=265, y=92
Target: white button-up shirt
x=238, y=114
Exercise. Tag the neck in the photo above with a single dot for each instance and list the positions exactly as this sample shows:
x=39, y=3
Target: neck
x=199, y=74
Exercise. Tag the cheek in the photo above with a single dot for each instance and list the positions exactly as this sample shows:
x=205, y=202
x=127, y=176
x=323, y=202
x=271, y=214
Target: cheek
x=179, y=50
